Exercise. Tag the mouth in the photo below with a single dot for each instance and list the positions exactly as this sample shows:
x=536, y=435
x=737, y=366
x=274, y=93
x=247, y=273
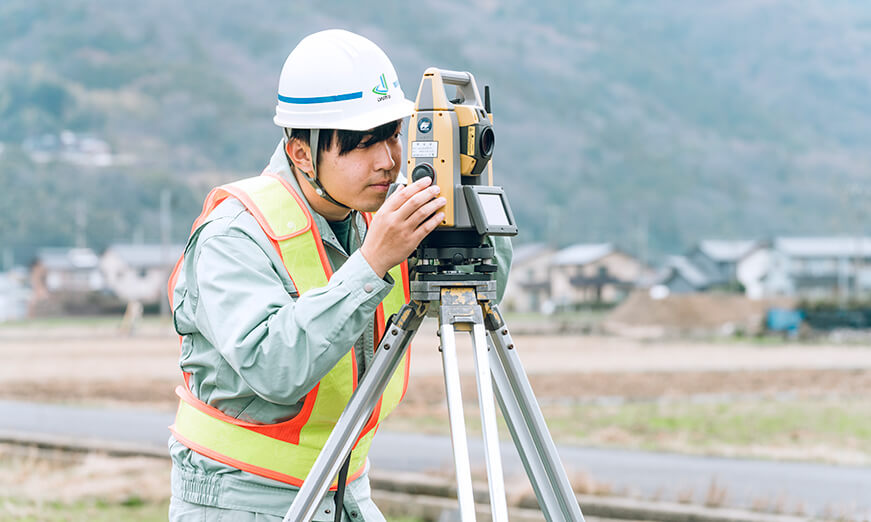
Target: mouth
x=382, y=186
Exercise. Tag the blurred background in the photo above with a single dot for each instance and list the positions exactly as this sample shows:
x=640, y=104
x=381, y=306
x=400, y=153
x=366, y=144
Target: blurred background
x=692, y=276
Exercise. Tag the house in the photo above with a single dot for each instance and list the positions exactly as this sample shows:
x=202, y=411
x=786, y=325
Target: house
x=818, y=268
x=139, y=273
x=64, y=280
x=14, y=294
x=682, y=276
x=718, y=260
x=528, y=285
x=597, y=273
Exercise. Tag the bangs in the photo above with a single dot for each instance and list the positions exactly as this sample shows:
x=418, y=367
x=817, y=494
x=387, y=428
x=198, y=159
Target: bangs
x=349, y=140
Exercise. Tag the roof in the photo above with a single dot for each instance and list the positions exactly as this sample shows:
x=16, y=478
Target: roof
x=147, y=256
x=824, y=246
x=523, y=253
x=582, y=254
x=55, y=258
x=720, y=250
x=686, y=269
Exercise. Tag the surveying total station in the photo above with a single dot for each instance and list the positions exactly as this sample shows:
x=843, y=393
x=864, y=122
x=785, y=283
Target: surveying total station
x=452, y=141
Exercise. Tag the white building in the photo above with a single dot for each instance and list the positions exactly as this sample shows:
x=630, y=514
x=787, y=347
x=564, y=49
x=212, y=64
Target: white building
x=819, y=268
x=528, y=286
x=14, y=295
x=139, y=273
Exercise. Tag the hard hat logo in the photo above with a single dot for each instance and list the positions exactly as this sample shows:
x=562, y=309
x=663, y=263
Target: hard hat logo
x=381, y=88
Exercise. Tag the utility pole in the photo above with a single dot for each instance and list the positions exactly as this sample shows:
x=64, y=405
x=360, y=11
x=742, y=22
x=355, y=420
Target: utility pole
x=165, y=224
x=553, y=221
x=81, y=220
x=643, y=234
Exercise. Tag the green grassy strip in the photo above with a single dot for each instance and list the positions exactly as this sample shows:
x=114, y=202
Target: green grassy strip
x=782, y=429
x=133, y=509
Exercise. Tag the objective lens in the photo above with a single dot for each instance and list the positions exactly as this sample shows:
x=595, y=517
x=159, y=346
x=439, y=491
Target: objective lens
x=488, y=139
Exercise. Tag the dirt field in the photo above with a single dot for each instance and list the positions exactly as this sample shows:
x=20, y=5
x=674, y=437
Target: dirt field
x=92, y=362
x=770, y=400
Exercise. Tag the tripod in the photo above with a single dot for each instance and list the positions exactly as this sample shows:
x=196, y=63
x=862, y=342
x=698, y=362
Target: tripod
x=465, y=303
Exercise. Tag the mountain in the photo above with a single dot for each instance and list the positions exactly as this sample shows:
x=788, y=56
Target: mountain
x=651, y=123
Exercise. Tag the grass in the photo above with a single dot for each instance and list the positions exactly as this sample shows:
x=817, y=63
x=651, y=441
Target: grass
x=132, y=509
x=96, y=511
x=49, y=486
x=828, y=430
x=85, y=320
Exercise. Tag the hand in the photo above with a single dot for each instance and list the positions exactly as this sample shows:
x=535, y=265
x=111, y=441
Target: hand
x=405, y=218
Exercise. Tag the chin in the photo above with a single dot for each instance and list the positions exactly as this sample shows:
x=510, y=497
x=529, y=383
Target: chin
x=374, y=204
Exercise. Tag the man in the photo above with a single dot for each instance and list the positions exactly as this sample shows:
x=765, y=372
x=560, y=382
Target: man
x=282, y=291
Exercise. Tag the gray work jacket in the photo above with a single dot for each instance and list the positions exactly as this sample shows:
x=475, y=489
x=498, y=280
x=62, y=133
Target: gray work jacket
x=254, y=351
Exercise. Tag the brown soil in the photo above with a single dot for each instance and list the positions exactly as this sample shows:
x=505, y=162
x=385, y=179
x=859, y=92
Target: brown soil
x=656, y=385
x=429, y=390
x=687, y=312
x=81, y=365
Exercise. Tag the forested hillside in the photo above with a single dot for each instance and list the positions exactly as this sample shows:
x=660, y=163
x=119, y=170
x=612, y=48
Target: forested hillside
x=649, y=123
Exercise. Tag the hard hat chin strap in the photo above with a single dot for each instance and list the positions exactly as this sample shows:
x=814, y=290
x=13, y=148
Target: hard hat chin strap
x=313, y=178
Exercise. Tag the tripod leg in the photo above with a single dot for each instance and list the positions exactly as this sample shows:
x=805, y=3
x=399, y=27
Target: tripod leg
x=352, y=420
x=527, y=426
x=458, y=424
x=498, y=504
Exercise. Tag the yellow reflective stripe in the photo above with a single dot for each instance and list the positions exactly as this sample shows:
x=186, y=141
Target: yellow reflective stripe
x=396, y=297
x=249, y=447
x=271, y=199
x=334, y=392
x=284, y=216
x=301, y=258
x=392, y=303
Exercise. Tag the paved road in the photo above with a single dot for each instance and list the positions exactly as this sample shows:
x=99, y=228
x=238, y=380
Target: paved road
x=816, y=487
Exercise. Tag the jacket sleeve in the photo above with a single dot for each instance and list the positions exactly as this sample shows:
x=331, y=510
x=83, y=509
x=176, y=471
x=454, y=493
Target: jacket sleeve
x=279, y=346
x=503, y=252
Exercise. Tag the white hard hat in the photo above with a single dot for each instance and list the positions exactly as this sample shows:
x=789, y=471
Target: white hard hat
x=336, y=79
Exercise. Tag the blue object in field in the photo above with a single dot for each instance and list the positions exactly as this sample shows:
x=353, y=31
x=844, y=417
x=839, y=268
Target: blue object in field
x=784, y=320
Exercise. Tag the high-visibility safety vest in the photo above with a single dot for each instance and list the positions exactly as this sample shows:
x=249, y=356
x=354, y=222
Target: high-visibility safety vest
x=286, y=451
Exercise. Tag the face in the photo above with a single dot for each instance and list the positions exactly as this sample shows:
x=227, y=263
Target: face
x=360, y=178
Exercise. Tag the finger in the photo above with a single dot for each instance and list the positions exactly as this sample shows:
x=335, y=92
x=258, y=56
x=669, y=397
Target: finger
x=426, y=210
x=402, y=195
x=418, y=200
x=428, y=226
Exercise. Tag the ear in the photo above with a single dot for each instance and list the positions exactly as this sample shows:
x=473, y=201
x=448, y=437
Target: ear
x=300, y=154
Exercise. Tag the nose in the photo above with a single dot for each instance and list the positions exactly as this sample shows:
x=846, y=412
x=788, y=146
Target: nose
x=384, y=157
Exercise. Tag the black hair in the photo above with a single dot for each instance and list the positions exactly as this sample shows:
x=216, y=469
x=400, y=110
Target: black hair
x=348, y=140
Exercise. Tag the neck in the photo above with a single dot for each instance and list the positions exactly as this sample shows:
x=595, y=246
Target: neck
x=330, y=211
